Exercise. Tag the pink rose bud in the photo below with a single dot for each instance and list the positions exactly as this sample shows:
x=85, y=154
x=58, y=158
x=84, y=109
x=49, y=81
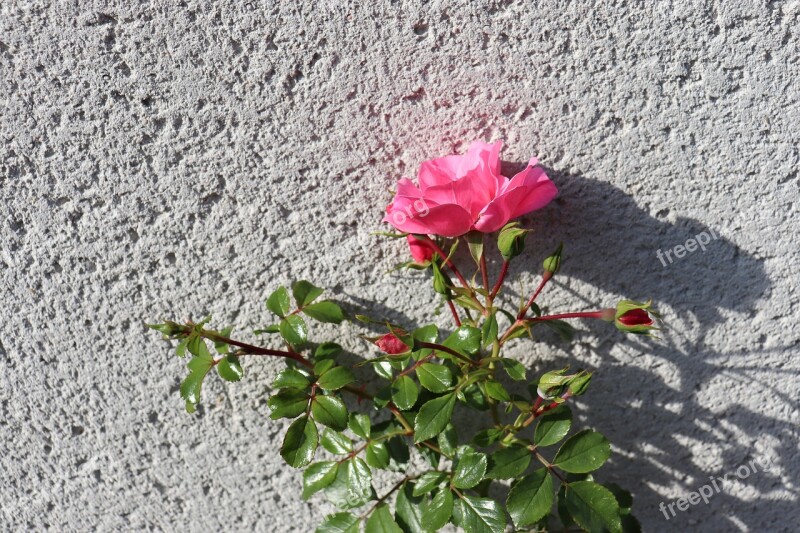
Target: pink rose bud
x=459, y=193
x=420, y=250
x=635, y=317
x=391, y=344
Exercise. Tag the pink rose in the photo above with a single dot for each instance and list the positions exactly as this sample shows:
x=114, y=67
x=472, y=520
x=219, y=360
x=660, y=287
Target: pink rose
x=459, y=193
x=391, y=344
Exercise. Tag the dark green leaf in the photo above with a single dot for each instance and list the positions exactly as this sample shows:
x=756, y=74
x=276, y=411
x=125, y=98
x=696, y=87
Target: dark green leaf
x=593, y=507
x=359, y=480
x=583, y=452
x=325, y=311
x=336, y=443
x=322, y=366
x=434, y=377
x=508, y=463
x=398, y=453
x=384, y=369
x=278, y=302
x=408, y=509
x=474, y=397
x=465, y=340
x=437, y=512
x=489, y=330
x=404, y=393
x=195, y=344
x=287, y=404
x=336, y=378
x=381, y=521
x=229, y=368
x=448, y=440
x=294, y=330
x=273, y=328
x=305, y=293
x=433, y=417
x=339, y=523
x=327, y=350
x=377, y=455
x=478, y=515
x=553, y=426
x=475, y=242
x=291, y=378
x=531, y=498
x=428, y=482
x=360, y=425
x=318, y=476
x=497, y=391
x=514, y=369
x=469, y=470
x=300, y=442
x=330, y=411
x=487, y=437
x=564, y=329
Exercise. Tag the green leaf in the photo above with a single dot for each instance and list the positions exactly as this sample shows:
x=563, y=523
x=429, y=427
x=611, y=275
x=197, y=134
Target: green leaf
x=320, y=367
x=433, y=417
x=514, y=369
x=318, y=476
x=384, y=369
x=287, y=404
x=553, y=426
x=325, y=311
x=475, y=242
x=360, y=425
x=329, y=411
x=478, y=515
x=486, y=437
x=195, y=344
x=335, y=378
x=198, y=366
x=398, y=453
x=359, y=480
x=404, y=393
x=448, y=440
x=489, y=330
x=593, y=506
x=336, y=443
x=327, y=350
x=339, y=523
x=474, y=397
x=497, y=391
x=180, y=349
x=377, y=455
x=278, y=302
x=305, y=293
x=273, y=328
x=469, y=470
x=300, y=442
x=222, y=347
x=508, y=463
x=408, y=509
x=531, y=498
x=294, y=330
x=381, y=521
x=434, y=377
x=465, y=340
x=565, y=330
x=229, y=368
x=291, y=378
x=583, y=452
x=437, y=512
x=428, y=482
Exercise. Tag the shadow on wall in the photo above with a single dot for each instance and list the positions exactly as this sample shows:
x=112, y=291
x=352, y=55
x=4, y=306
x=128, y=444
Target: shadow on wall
x=612, y=244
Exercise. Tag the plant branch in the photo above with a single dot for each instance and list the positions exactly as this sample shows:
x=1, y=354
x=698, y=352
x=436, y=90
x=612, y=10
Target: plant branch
x=445, y=349
x=500, y=279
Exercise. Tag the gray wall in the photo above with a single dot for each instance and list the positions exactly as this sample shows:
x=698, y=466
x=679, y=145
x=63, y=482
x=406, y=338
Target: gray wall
x=169, y=159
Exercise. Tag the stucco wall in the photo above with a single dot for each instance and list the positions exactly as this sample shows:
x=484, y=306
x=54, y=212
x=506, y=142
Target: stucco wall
x=168, y=159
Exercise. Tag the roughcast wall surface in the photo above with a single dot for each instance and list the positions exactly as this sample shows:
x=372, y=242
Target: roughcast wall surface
x=175, y=158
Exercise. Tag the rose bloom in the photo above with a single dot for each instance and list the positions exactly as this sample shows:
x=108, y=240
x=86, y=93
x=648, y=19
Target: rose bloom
x=459, y=193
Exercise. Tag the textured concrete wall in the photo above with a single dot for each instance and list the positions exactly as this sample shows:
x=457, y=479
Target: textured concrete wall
x=168, y=159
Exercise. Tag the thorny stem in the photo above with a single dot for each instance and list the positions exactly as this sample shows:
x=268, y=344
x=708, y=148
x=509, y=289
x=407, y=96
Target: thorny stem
x=604, y=314
x=545, y=278
x=256, y=350
x=455, y=313
x=500, y=279
x=445, y=349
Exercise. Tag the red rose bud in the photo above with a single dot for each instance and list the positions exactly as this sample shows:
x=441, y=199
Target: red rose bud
x=420, y=250
x=391, y=344
x=635, y=317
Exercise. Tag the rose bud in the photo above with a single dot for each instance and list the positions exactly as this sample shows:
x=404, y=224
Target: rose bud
x=635, y=317
x=391, y=344
x=420, y=250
